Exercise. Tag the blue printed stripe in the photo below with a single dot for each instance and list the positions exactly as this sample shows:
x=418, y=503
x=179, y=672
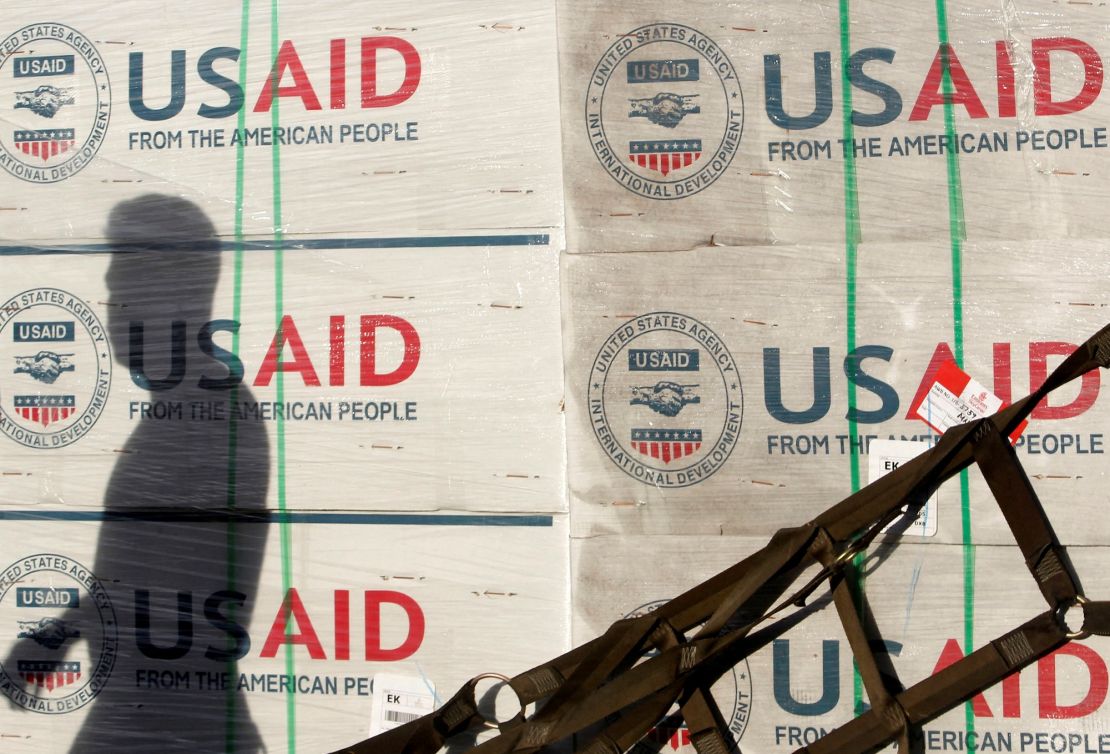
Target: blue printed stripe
x=312, y=244
x=277, y=517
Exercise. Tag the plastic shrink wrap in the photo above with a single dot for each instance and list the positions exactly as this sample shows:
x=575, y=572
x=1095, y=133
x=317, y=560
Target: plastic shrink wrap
x=783, y=219
x=283, y=446
x=303, y=307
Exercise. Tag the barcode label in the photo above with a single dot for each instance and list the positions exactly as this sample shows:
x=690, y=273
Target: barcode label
x=884, y=456
x=399, y=699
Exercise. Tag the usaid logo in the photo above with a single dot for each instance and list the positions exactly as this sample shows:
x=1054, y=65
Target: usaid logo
x=664, y=111
x=665, y=399
x=55, y=368
x=56, y=102
x=47, y=663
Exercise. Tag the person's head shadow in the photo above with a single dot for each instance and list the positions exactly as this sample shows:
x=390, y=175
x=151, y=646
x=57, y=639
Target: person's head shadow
x=161, y=283
x=176, y=549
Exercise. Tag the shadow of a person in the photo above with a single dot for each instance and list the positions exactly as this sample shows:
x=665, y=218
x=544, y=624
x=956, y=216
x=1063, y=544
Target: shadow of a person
x=176, y=552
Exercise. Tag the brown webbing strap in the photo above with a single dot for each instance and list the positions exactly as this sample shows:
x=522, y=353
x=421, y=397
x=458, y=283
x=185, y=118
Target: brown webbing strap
x=630, y=726
x=944, y=690
x=698, y=708
x=851, y=607
x=630, y=676
x=685, y=611
x=1096, y=618
x=1025, y=516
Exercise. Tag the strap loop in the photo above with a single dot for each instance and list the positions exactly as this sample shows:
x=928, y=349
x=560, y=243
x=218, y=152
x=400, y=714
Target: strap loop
x=1062, y=615
x=513, y=721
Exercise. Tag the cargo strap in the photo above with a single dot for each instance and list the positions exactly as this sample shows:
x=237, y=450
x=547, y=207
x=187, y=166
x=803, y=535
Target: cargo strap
x=608, y=693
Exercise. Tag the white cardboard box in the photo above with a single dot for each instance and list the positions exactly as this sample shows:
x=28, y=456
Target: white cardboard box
x=402, y=380
x=173, y=635
x=386, y=121
x=748, y=349
x=756, y=104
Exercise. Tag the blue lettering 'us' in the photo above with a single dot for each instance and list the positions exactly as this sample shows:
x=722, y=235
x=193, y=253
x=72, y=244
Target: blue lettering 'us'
x=821, y=401
x=830, y=677
x=823, y=93
x=207, y=73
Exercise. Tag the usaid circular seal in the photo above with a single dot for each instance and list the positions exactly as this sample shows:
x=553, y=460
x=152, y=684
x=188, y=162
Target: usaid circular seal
x=664, y=111
x=732, y=692
x=665, y=399
x=56, y=102
x=55, y=368
x=65, y=640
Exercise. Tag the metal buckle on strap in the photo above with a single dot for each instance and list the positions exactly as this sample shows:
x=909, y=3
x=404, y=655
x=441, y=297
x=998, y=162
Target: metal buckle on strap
x=1062, y=616
x=849, y=552
x=798, y=599
x=493, y=723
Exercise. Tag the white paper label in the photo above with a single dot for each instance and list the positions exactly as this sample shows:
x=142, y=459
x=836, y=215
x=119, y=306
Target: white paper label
x=955, y=399
x=887, y=455
x=398, y=699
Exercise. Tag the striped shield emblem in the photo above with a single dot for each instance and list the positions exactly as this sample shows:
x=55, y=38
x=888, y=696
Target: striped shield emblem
x=666, y=445
x=46, y=143
x=49, y=674
x=665, y=156
x=45, y=409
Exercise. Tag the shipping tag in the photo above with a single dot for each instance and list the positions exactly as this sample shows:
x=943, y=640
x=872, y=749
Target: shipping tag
x=954, y=398
x=398, y=699
x=884, y=456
